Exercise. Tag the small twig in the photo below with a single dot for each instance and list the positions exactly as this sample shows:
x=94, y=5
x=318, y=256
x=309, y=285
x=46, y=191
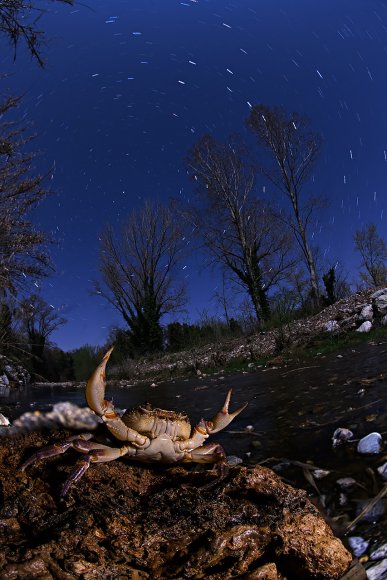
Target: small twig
x=299, y=369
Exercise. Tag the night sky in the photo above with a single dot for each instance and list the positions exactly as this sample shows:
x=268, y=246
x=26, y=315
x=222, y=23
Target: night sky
x=130, y=85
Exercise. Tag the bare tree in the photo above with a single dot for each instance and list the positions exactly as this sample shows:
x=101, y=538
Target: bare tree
x=241, y=232
x=294, y=149
x=22, y=252
x=139, y=272
x=38, y=320
x=19, y=22
x=373, y=251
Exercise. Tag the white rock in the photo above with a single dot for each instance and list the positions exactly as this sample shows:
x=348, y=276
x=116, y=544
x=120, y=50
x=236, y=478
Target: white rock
x=367, y=312
x=371, y=443
x=358, y=545
x=377, y=572
x=365, y=327
x=382, y=470
x=379, y=300
x=331, y=325
x=378, y=293
x=3, y=420
x=320, y=473
x=4, y=380
x=379, y=553
x=383, y=321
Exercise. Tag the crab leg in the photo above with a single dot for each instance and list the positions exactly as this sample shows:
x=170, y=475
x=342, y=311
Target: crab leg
x=95, y=397
x=56, y=449
x=205, y=428
x=212, y=453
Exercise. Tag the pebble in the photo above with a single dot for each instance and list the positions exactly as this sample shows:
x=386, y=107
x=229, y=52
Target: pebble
x=233, y=460
x=320, y=473
x=331, y=325
x=341, y=435
x=249, y=428
x=382, y=470
x=374, y=514
x=377, y=572
x=380, y=553
x=371, y=443
x=358, y=545
x=3, y=420
x=346, y=483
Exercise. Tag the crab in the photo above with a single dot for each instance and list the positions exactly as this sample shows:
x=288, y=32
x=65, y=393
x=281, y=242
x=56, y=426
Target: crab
x=148, y=434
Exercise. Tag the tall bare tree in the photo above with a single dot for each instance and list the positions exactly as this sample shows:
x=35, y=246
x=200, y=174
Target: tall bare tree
x=294, y=149
x=22, y=252
x=38, y=320
x=241, y=232
x=139, y=272
x=373, y=251
x=19, y=22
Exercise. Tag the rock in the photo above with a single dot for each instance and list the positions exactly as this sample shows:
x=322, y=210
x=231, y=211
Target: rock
x=341, y=435
x=358, y=545
x=365, y=327
x=320, y=473
x=125, y=520
x=375, y=513
x=383, y=321
x=382, y=470
x=233, y=460
x=371, y=443
x=378, y=572
x=4, y=380
x=380, y=553
x=367, y=312
x=66, y=415
x=379, y=302
x=3, y=420
x=332, y=325
x=346, y=483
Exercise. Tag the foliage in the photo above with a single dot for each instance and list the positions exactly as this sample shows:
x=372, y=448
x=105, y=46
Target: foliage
x=139, y=272
x=293, y=149
x=18, y=22
x=373, y=251
x=242, y=233
x=84, y=361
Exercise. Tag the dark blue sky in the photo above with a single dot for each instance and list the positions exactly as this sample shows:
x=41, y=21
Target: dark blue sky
x=130, y=86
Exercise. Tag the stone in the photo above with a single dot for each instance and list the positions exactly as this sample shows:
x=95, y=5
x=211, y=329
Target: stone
x=367, y=312
x=332, y=325
x=341, y=435
x=374, y=514
x=320, y=473
x=383, y=320
x=125, y=520
x=371, y=443
x=382, y=470
x=379, y=301
x=378, y=572
x=12, y=374
x=380, y=553
x=3, y=420
x=358, y=545
x=346, y=483
x=365, y=327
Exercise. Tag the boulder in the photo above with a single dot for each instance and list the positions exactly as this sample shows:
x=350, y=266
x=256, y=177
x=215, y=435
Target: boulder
x=123, y=520
x=367, y=312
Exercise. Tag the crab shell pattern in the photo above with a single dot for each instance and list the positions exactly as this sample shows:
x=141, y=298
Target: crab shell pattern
x=148, y=434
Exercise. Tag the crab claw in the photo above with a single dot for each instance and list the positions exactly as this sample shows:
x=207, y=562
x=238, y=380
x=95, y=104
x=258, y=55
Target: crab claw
x=95, y=388
x=223, y=418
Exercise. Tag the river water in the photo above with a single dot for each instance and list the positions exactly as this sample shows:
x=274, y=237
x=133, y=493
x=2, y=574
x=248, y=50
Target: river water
x=293, y=410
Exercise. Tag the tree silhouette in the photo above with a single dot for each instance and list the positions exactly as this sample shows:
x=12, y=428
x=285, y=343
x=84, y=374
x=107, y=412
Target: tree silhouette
x=373, y=251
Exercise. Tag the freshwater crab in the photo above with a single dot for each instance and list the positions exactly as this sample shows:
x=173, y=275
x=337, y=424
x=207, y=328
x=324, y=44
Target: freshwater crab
x=149, y=434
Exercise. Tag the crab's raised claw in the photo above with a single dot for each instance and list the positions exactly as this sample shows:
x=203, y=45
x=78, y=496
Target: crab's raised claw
x=95, y=388
x=223, y=418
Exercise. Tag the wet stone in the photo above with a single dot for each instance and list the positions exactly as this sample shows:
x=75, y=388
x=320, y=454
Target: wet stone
x=358, y=545
x=380, y=552
x=382, y=470
x=371, y=443
x=378, y=572
x=341, y=436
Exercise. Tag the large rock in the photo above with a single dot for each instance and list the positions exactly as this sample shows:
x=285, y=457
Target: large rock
x=129, y=521
x=379, y=302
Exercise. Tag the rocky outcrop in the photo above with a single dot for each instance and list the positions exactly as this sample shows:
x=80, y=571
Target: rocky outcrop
x=12, y=375
x=131, y=521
